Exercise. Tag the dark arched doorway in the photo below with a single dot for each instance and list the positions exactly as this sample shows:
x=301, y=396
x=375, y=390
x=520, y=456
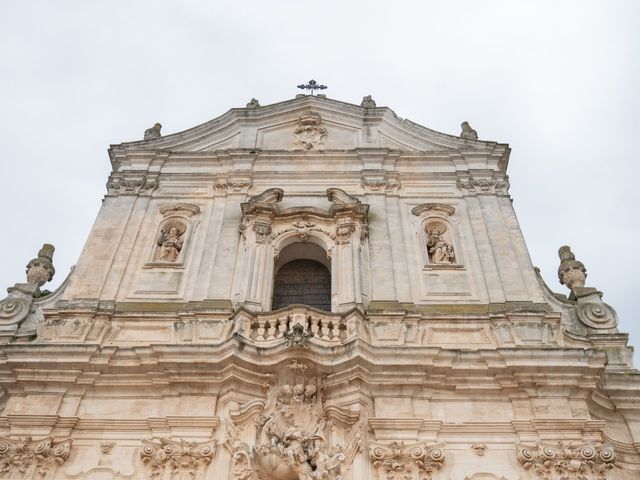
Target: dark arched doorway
x=302, y=281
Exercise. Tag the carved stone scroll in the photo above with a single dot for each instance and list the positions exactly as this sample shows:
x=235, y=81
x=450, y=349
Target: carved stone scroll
x=567, y=462
x=183, y=459
x=32, y=459
x=397, y=461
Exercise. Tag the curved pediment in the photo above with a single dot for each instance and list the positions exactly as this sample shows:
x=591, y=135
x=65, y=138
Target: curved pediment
x=309, y=124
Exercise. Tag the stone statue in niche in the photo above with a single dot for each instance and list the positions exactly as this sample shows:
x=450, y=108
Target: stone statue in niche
x=440, y=250
x=170, y=242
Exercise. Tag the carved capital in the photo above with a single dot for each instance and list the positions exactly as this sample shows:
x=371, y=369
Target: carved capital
x=416, y=461
x=566, y=461
x=234, y=182
x=496, y=184
x=32, y=459
x=184, y=459
x=131, y=185
x=380, y=181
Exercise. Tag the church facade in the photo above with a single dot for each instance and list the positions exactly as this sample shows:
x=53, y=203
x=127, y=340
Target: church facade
x=312, y=290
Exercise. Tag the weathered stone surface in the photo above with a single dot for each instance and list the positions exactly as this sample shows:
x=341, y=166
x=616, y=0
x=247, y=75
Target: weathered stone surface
x=443, y=356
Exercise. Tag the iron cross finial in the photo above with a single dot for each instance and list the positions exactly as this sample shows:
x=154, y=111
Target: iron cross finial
x=312, y=85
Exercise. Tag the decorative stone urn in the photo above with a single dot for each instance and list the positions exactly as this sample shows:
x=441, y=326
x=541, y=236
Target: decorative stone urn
x=40, y=270
x=571, y=272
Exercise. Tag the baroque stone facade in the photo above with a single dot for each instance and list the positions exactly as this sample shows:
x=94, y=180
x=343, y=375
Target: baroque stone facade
x=441, y=355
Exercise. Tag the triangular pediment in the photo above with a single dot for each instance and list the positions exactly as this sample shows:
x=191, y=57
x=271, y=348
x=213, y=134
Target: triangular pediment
x=310, y=123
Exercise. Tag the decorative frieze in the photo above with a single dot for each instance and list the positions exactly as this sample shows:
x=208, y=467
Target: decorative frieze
x=397, y=461
x=566, y=461
x=28, y=459
x=183, y=460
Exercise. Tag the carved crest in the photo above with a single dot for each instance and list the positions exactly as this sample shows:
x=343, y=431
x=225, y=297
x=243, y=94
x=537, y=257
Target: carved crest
x=309, y=133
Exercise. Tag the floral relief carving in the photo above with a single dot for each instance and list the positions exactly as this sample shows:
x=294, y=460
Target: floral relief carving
x=294, y=433
x=566, y=461
x=309, y=133
x=32, y=459
x=183, y=460
x=186, y=210
x=397, y=461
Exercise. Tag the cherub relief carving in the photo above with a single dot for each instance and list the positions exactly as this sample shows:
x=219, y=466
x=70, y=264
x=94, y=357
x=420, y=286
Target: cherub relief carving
x=170, y=241
x=295, y=437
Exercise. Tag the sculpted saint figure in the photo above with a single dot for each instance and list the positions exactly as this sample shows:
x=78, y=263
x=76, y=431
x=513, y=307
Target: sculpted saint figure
x=440, y=251
x=153, y=132
x=170, y=243
x=468, y=133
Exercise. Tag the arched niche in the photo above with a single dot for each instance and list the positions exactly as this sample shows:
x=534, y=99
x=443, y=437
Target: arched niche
x=271, y=237
x=302, y=275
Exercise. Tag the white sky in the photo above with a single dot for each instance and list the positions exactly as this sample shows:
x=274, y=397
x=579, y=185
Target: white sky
x=557, y=80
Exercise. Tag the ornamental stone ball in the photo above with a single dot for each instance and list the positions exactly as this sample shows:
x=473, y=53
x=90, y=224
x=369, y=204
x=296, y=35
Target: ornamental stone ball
x=571, y=272
x=468, y=133
x=40, y=270
x=153, y=132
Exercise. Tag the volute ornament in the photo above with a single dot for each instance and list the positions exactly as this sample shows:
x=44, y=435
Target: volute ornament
x=40, y=270
x=184, y=459
x=28, y=459
x=571, y=272
x=397, y=461
x=566, y=461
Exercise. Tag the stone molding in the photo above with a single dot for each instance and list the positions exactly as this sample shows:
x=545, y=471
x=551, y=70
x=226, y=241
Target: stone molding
x=558, y=461
x=415, y=461
x=32, y=459
x=185, y=460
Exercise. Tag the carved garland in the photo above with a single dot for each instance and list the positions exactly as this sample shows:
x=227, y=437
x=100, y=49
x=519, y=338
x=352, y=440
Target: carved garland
x=567, y=462
x=32, y=459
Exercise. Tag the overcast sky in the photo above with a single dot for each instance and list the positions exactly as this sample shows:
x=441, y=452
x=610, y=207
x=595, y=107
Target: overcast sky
x=557, y=80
